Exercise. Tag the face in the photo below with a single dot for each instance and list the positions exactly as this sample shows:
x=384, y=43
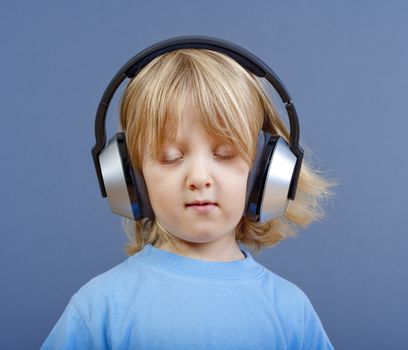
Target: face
x=197, y=186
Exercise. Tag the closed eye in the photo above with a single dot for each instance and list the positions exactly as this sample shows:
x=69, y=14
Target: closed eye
x=224, y=156
x=171, y=161
x=225, y=152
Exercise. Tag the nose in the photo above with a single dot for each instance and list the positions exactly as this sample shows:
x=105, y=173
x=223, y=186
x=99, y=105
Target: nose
x=199, y=174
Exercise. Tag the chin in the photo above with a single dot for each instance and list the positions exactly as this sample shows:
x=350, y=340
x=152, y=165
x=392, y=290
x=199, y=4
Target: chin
x=204, y=237
x=198, y=239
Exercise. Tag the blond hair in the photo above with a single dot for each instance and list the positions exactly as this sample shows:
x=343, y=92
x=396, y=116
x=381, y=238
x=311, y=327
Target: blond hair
x=233, y=105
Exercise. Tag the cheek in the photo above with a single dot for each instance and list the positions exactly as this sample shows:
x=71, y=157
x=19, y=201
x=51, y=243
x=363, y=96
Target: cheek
x=239, y=191
x=153, y=183
x=235, y=186
x=162, y=189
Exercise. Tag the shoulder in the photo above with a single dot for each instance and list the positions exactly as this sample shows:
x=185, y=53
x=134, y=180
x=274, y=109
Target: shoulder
x=283, y=290
x=297, y=315
x=89, y=310
x=288, y=300
x=109, y=287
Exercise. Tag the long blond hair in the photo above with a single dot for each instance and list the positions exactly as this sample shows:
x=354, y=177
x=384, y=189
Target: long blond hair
x=233, y=105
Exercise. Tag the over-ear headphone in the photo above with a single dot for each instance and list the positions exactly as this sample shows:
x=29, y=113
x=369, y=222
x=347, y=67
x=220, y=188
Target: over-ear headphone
x=274, y=175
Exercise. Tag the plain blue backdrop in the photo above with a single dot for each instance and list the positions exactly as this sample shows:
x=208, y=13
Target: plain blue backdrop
x=345, y=65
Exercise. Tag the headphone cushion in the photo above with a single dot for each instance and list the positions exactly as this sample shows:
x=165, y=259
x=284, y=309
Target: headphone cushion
x=255, y=165
x=146, y=209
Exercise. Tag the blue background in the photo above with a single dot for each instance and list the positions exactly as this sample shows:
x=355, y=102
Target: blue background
x=345, y=65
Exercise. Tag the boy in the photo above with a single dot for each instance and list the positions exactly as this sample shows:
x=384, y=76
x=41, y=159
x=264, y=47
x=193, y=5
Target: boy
x=192, y=119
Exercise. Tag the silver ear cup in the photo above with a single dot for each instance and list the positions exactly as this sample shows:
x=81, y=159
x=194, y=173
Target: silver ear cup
x=275, y=195
x=269, y=196
x=118, y=182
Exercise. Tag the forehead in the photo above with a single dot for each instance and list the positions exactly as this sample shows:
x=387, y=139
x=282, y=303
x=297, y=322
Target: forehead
x=186, y=120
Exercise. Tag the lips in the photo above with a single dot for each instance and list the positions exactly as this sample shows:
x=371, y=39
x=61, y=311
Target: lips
x=200, y=203
x=201, y=207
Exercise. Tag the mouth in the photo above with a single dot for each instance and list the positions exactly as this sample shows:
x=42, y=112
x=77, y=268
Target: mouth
x=201, y=207
x=201, y=204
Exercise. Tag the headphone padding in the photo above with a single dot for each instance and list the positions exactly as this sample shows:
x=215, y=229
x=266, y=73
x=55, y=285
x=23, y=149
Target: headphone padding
x=142, y=194
x=255, y=165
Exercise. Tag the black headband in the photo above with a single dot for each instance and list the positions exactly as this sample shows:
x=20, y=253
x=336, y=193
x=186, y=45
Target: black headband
x=242, y=56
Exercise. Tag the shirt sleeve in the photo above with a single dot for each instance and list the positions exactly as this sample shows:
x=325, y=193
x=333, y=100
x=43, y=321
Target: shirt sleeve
x=70, y=332
x=314, y=336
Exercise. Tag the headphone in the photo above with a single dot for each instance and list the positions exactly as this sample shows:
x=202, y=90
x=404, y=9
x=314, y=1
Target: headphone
x=273, y=177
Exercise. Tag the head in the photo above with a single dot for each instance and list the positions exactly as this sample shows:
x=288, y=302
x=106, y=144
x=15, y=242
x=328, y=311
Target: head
x=191, y=119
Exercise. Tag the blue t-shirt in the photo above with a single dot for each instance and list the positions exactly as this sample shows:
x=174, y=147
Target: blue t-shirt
x=161, y=300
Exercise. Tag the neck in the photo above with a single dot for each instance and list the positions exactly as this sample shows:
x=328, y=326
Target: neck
x=209, y=251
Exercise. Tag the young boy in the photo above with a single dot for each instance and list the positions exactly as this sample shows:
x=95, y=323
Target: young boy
x=192, y=119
